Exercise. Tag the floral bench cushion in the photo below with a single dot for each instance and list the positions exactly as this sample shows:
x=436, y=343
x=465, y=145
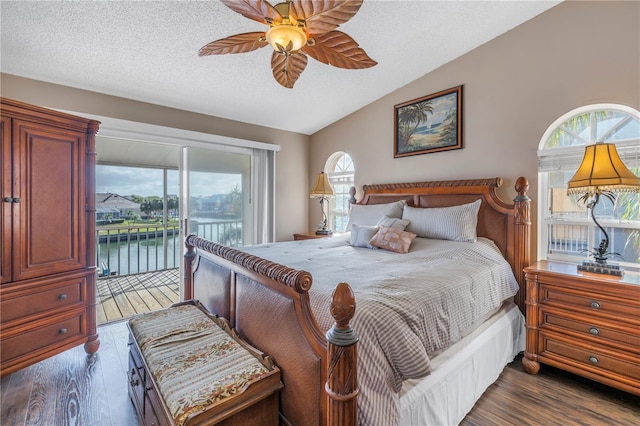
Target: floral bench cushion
x=194, y=362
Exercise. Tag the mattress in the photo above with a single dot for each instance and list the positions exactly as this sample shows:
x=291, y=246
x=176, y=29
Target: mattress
x=462, y=373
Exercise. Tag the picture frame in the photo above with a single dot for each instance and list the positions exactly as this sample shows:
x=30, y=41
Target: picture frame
x=432, y=123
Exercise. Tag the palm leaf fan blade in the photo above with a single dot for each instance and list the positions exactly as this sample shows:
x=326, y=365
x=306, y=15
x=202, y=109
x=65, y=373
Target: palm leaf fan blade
x=338, y=49
x=258, y=10
x=287, y=68
x=239, y=43
x=324, y=16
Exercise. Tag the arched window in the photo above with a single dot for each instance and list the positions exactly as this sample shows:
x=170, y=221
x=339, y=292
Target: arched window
x=341, y=174
x=566, y=232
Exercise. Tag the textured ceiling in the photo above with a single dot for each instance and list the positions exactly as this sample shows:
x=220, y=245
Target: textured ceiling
x=148, y=51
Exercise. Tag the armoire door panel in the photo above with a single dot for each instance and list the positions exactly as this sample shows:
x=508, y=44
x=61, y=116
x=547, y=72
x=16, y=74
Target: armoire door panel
x=6, y=206
x=51, y=226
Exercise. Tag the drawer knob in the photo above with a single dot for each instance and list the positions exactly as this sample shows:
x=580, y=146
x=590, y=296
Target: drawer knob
x=62, y=331
x=595, y=305
x=594, y=331
x=63, y=296
x=593, y=360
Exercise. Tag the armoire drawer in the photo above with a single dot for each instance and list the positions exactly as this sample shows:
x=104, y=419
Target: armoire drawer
x=610, y=333
x=595, y=358
x=42, y=337
x=42, y=298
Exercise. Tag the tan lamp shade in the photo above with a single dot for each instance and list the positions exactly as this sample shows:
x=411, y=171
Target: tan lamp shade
x=602, y=170
x=322, y=187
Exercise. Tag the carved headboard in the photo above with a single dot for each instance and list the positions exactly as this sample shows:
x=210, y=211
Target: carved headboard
x=507, y=224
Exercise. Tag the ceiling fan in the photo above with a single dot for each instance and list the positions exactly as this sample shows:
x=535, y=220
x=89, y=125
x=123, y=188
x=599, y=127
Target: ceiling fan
x=298, y=28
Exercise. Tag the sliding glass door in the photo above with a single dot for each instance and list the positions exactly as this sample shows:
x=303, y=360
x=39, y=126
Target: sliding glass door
x=151, y=195
x=217, y=202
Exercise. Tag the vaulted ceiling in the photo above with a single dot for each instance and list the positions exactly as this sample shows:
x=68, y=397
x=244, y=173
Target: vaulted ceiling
x=148, y=51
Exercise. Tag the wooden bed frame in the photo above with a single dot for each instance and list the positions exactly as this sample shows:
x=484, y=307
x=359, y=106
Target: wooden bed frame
x=268, y=303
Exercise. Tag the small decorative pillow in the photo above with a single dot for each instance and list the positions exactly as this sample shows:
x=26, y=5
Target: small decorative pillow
x=393, y=222
x=370, y=214
x=360, y=235
x=456, y=223
x=392, y=239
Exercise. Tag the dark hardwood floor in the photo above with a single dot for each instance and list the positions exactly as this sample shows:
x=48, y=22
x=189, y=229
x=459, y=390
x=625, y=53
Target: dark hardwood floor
x=75, y=389
x=552, y=398
x=72, y=388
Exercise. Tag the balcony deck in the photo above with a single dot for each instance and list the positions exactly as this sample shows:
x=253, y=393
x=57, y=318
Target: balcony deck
x=124, y=296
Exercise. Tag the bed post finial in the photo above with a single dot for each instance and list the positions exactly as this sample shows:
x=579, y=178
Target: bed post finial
x=342, y=381
x=352, y=196
x=188, y=261
x=522, y=256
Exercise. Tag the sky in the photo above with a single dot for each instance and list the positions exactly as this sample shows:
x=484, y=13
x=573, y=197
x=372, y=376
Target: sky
x=147, y=182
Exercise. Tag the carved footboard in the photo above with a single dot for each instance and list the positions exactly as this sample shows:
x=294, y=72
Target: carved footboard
x=268, y=304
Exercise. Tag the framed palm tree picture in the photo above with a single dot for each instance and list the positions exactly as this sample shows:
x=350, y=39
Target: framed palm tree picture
x=432, y=123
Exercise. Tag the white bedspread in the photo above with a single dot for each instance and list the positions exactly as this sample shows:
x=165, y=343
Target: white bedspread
x=407, y=305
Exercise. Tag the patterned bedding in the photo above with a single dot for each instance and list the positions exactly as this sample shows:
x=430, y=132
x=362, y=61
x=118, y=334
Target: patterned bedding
x=408, y=306
x=194, y=362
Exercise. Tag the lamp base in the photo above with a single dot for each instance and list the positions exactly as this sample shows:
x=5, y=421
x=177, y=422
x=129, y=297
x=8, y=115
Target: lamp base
x=601, y=268
x=324, y=232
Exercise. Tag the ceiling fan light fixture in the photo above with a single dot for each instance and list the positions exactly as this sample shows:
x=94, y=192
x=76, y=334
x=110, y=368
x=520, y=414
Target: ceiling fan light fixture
x=298, y=30
x=279, y=37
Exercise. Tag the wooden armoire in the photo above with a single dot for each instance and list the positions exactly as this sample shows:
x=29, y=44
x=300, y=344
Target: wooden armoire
x=47, y=269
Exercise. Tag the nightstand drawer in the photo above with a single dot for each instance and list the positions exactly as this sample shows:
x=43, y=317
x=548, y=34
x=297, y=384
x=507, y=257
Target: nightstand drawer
x=609, y=333
x=594, y=358
x=598, y=304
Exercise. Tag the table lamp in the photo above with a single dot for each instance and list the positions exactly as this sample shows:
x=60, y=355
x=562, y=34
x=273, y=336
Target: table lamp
x=601, y=172
x=322, y=190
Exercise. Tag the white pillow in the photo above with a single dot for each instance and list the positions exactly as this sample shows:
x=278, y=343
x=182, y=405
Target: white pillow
x=360, y=235
x=457, y=223
x=392, y=222
x=370, y=214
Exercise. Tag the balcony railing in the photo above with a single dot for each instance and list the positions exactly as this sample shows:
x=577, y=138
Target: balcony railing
x=127, y=250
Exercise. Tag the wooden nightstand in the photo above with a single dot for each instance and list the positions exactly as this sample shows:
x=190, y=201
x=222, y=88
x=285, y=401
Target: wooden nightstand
x=587, y=324
x=308, y=236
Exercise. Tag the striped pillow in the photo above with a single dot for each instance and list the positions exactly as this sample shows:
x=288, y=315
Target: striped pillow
x=393, y=222
x=370, y=214
x=457, y=223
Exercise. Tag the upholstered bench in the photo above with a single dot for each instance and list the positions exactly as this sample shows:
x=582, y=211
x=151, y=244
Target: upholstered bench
x=187, y=367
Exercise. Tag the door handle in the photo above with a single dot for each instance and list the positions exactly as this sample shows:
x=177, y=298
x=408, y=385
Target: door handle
x=11, y=199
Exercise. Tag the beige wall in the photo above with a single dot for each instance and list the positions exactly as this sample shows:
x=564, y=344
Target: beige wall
x=292, y=191
x=515, y=87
